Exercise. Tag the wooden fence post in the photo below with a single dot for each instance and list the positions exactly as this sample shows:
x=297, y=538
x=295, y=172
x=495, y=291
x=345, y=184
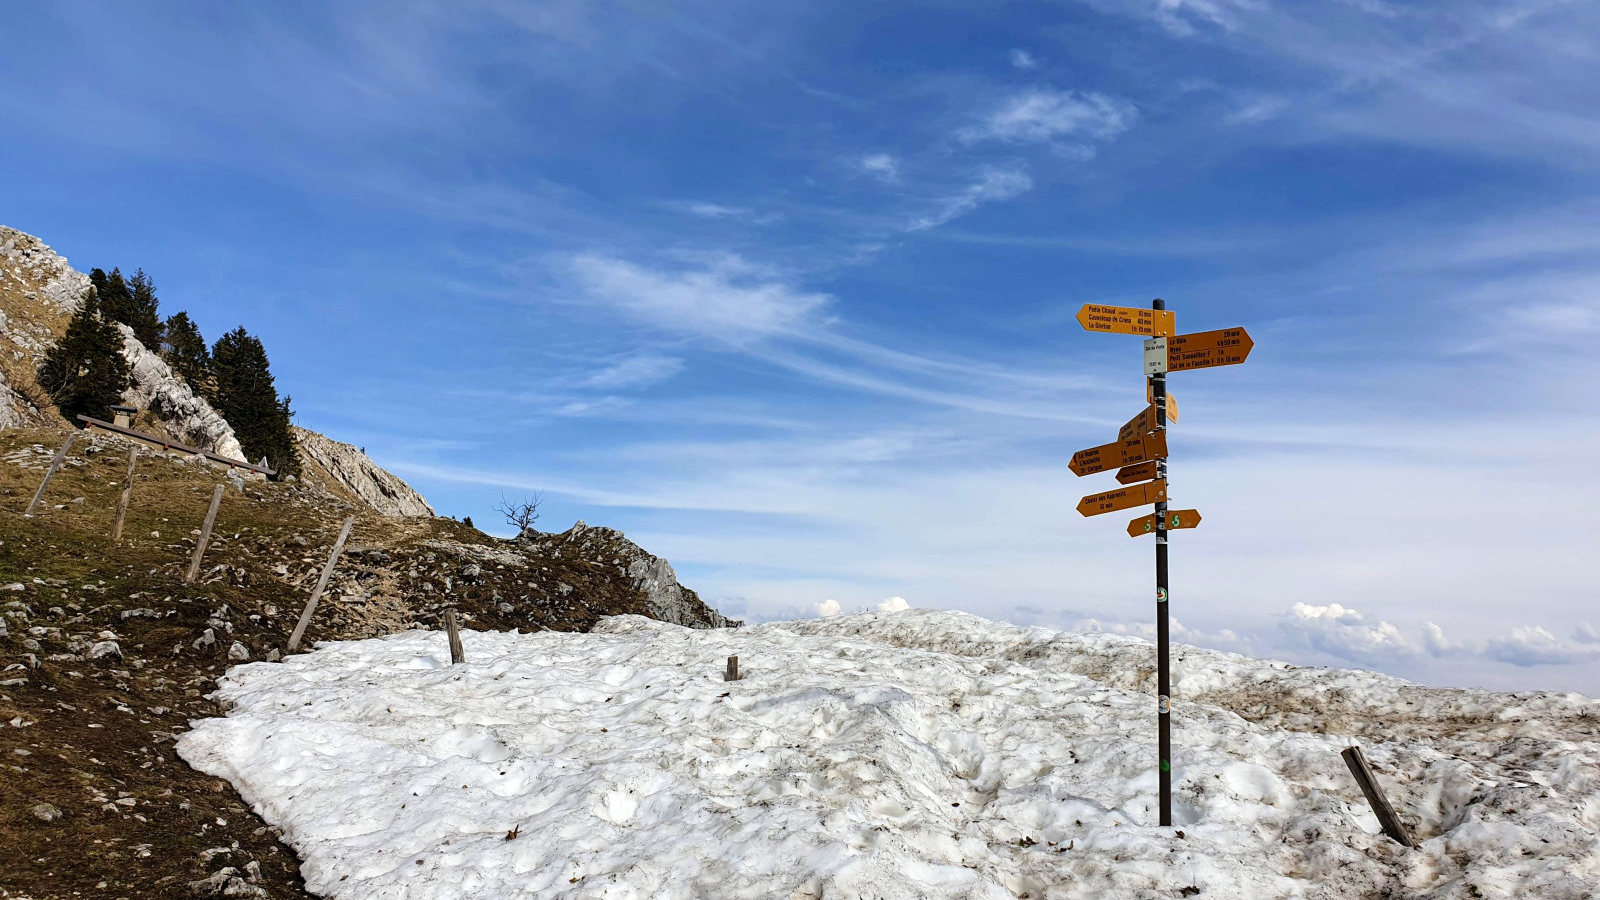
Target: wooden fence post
x=127, y=495
x=457, y=653
x=205, y=536
x=733, y=670
x=1391, y=824
x=322, y=584
x=55, y=464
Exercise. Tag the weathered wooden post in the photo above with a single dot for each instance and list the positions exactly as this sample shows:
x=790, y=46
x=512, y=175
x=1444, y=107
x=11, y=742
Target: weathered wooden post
x=733, y=670
x=457, y=654
x=126, y=496
x=322, y=584
x=55, y=464
x=205, y=536
x=1391, y=824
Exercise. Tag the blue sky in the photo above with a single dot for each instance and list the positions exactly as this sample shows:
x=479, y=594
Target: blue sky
x=786, y=291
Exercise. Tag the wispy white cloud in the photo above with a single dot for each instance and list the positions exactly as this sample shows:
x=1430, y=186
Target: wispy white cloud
x=639, y=370
x=725, y=212
x=729, y=300
x=1022, y=59
x=993, y=184
x=1531, y=645
x=1045, y=115
x=716, y=210
x=881, y=166
x=600, y=406
x=1256, y=109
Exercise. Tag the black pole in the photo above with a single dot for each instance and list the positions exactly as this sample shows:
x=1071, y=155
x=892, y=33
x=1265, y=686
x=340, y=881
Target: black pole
x=1158, y=394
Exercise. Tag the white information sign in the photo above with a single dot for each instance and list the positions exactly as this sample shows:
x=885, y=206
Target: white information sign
x=1155, y=356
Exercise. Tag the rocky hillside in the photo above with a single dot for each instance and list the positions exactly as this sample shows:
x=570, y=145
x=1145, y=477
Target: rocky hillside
x=346, y=468
x=106, y=655
x=39, y=292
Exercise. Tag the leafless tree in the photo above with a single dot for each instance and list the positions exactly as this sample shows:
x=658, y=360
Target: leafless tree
x=521, y=513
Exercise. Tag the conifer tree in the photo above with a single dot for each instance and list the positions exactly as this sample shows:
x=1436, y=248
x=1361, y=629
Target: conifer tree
x=116, y=300
x=142, y=310
x=246, y=397
x=185, y=351
x=85, y=372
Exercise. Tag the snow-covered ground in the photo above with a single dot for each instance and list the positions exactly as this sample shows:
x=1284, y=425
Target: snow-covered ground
x=891, y=755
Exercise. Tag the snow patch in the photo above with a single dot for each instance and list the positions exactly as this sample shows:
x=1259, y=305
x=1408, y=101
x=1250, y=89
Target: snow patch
x=919, y=754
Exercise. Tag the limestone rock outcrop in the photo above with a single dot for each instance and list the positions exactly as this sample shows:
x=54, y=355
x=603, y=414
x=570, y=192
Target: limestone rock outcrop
x=653, y=576
x=185, y=415
x=39, y=292
x=349, y=468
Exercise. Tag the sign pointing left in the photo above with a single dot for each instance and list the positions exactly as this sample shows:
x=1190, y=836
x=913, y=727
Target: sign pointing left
x=1119, y=453
x=1123, y=498
x=1126, y=320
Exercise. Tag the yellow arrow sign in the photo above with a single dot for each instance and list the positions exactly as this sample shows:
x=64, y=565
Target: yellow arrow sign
x=1176, y=518
x=1203, y=349
x=1123, y=498
x=1142, y=472
x=1119, y=453
x=1143, y=423
x=1126, y=320
x=1172, y=402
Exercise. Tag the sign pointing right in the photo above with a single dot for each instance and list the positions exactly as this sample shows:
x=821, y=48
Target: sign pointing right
x=1176, y=518
x=1203, y=349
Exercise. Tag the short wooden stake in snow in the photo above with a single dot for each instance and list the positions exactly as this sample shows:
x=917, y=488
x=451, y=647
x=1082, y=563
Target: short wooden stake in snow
x=457, y=654
x=125, y=497
x=322, y=584
x=733, y=670
x=1391, y=824
x=55, y=464
x=205, y=536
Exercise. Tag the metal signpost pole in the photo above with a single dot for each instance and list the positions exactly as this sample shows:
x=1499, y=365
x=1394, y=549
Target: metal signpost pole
x=1139, y=456
x=1158, y=390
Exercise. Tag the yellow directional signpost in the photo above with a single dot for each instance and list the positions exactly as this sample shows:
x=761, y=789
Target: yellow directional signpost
x=1142, y=472
x=1139, y=454
x=1119, y=453
x=1226, y=347
x=1176, y=518
x=1124, y=498
x=1143, y=423
x=1125, y=320
x=1172, y=403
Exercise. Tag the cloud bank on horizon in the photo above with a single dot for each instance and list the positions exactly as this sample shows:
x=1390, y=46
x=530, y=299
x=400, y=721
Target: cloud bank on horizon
x=786, y=292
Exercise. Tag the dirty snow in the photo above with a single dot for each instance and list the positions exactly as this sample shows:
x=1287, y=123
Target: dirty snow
x=913, y=754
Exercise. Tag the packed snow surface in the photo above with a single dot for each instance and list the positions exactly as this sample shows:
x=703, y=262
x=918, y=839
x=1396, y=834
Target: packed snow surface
x=891, y=755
